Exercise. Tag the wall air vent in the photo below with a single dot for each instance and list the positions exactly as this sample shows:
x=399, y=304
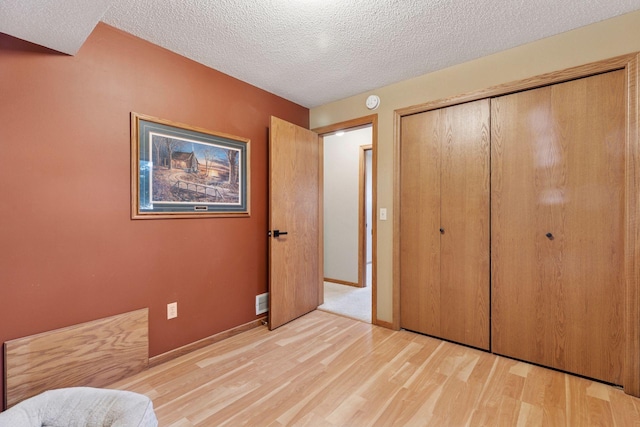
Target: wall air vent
x=262, y=303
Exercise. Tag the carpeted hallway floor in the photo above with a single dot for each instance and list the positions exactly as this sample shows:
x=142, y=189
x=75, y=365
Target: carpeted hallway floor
x=348, y=301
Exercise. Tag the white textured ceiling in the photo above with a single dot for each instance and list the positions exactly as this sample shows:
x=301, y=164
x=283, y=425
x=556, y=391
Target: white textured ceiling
x=59, y=25
x=312, y=51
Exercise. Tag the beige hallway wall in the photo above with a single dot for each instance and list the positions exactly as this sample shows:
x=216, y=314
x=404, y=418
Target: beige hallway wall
x=341, y=203
x=598, y=41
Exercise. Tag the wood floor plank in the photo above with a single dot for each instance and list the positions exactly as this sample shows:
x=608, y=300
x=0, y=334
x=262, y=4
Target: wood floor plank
x=324, y=370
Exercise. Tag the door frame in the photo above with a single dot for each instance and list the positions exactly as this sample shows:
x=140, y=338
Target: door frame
x=630, y=63
x=371, y=120
x=362, y=213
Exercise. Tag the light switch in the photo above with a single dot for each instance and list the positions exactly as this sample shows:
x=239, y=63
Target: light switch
x=383, y=214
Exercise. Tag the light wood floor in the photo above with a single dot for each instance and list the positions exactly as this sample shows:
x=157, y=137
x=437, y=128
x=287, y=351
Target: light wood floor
x=327, y=370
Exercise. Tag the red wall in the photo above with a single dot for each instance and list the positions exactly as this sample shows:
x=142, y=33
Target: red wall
x=69, y=252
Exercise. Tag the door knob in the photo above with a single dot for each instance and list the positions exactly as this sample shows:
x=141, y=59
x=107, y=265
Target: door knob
x=442, y=231
x=278, y=233
x=549, y=236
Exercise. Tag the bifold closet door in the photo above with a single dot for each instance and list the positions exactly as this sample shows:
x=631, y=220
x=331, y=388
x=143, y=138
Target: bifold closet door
x=444, y=221
x=557, y=225
x=420, y=308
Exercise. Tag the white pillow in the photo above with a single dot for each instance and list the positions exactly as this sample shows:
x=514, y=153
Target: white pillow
x=82, y=407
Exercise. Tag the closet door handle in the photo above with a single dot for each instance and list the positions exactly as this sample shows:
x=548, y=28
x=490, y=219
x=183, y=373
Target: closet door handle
x=549, y=236
x=442, y=231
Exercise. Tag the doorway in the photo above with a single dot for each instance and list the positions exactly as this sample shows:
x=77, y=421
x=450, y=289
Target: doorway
x=348, y=222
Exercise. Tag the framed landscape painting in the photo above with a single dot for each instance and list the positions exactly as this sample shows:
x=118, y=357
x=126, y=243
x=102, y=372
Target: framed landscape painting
x=179, y=171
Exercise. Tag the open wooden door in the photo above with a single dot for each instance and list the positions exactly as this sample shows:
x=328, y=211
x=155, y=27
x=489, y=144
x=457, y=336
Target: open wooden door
x=294, y=222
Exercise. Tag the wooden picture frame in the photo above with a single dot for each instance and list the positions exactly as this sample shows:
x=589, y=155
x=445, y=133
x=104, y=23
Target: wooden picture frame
x=181, y=171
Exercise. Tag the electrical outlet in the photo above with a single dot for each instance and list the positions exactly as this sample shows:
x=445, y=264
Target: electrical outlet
x=172, y=310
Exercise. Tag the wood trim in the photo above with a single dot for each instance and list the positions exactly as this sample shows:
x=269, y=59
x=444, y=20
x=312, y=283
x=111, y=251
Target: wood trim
x=343, y=282
x=374, y=208
x=320, y=220
x=90, y=354
x=349, y=124
x=388, y=325
x=396, y=221
x=185, y=349
x=629, y=62
x=354, y=124
x=631, y=376
x=529, y=83
x=361, y=222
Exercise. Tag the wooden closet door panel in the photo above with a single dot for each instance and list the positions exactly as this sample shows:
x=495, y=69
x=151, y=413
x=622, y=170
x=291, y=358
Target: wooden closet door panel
x=593, y=225
x=558, y=300
x=517, y=290
x=464, y=246
x=420, y=223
